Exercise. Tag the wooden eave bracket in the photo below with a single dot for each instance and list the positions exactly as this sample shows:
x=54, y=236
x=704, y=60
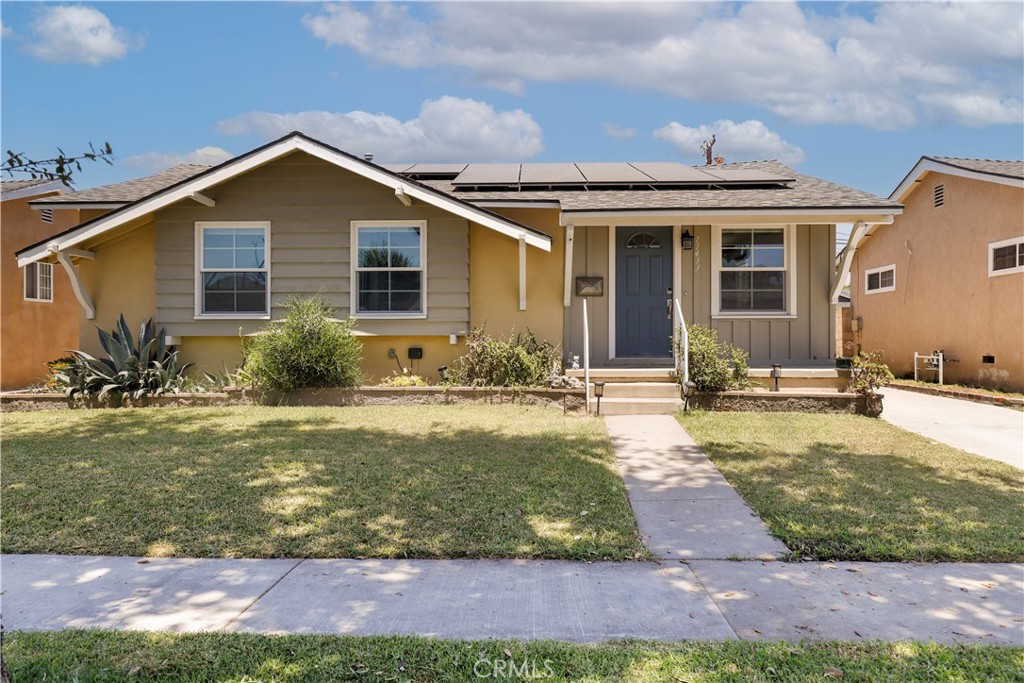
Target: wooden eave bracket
x=203, y=199
x=64, y=258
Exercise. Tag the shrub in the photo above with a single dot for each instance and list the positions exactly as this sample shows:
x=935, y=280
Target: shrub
x=517, y=361
x=714, y=365
x=868, y=373
x=308, y=348
x=403, y=380
x=56, y=367
x=132, y=368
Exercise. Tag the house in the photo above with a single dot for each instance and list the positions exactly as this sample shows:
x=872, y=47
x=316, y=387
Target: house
x=422, y=253
x=38, y=312
x=948, y=274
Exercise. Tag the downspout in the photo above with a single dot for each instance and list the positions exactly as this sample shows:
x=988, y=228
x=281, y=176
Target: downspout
x=64, y=258
x=570, y=231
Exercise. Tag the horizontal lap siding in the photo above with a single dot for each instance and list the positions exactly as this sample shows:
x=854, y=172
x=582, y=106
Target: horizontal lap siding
x=310, y=205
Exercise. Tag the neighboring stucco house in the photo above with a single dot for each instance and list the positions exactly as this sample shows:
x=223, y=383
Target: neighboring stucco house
x=421, y=253
x=38, y=312
x=948, y=274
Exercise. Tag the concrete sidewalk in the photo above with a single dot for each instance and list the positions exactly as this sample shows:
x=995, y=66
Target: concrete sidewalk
x=990, y=431
x=483, y=599
x=684, y=507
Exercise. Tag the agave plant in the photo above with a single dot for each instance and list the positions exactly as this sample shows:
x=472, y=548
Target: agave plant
x=133, y=368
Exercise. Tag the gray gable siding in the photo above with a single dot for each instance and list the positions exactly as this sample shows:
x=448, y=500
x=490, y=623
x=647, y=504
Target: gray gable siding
x=310, y=205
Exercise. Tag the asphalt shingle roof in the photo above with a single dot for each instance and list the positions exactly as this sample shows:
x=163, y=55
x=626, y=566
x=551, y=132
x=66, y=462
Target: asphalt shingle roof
x=129, y=190
x=1010, y=169
x=15, y=185
x=804, y=192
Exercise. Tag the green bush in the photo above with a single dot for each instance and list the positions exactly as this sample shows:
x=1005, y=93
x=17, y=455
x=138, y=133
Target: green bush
x=714, y=365
x=868, y=373
x=308, y=348
x=516, y=361
x=133, y=368
x=403, y=380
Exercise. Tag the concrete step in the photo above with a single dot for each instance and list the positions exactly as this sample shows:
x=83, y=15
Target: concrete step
x=627, y=374
x=638, y=406
x=639, y=390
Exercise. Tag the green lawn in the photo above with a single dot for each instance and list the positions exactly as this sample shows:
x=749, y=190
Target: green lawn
x=417, y=481
x=845, y=487
x=84, y=656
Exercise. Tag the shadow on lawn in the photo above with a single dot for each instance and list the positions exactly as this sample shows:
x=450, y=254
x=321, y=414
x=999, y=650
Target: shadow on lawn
x=830, y=502
x=216, y=483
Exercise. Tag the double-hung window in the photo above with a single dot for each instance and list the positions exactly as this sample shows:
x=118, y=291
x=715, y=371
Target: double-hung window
x=753, y=271
x=1006, y=256
x=233, y=269
x=389, y=259
x=39, y=282
x=878, y=280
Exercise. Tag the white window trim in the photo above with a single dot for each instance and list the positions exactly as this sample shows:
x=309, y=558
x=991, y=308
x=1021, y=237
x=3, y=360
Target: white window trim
x=992, y=246
x=24, y=282
x=881, y=269
x=789, y=242
x=198, y=281
x=354, y=270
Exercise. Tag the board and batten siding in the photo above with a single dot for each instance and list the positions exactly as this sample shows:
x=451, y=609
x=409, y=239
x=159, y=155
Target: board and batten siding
x=807, y=339
x=310, y=205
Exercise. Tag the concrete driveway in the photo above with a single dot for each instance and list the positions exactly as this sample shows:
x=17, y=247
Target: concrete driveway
x=990, y=431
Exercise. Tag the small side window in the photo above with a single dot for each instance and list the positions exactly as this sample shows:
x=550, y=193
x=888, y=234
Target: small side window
x=39, y=282
x=1006, y=257
x=879, y=280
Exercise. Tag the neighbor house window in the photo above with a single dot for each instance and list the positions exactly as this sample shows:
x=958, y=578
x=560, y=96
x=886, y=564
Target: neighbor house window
x=233, y=270
x=754, y=271
x=1006, y=256
x=389, y=268
x=879, y=280
x=39, y=282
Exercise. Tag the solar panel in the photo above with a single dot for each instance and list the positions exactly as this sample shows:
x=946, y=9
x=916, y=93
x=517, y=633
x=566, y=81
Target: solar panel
x=489, y=174
x=670, y=172
x=745, y=175
x=397, y=168
x=613, y=173
x=435, y=169
x=551, y=174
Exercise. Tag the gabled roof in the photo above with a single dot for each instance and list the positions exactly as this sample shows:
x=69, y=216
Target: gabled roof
x=293, y=142
x=1007, y=172
x=125, y=192
x=18, y=189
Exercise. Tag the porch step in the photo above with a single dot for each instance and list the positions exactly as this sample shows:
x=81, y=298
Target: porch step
x=639, y=390
x=638, y=406
x=627, y=374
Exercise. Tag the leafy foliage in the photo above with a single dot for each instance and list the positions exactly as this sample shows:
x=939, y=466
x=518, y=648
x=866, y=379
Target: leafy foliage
x=61, y=167
x=869, y=373
x=714, y=365
x=308, y=348
x=403, y=380
x=519, y=360
x=133, y=368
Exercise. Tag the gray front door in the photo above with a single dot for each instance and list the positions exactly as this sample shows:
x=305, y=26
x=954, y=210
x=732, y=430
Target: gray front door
x=643, y=286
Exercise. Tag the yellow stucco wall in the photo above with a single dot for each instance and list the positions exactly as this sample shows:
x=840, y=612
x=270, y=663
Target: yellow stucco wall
x=494, y=278
x=944, y=297
x=32, y=332
x=120, y=280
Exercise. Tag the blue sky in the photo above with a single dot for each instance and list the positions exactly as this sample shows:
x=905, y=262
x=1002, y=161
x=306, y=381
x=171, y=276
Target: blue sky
x=853, y=93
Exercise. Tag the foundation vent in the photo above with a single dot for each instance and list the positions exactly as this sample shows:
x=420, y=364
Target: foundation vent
x=940, y=195
x=988, y=360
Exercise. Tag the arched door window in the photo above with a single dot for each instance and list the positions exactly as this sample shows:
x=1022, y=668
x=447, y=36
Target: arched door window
x=642, y=240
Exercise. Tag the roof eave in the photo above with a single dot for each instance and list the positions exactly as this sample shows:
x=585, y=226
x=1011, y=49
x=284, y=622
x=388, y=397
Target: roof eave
x=931, y=165
x=847, y=214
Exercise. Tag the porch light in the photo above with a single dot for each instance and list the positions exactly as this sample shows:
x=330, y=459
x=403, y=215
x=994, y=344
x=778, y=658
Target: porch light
x=598, y=392
x=687, y=240
x=689, y=389
x=776, y=374
x=443, y=371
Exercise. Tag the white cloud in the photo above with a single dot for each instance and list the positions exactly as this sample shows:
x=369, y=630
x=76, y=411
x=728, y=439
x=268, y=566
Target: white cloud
x=79, y=34
x=745, y=141
x=447, y=129
x=152, y=162
x=884, y=66
x=614, y=130
x=5, y=31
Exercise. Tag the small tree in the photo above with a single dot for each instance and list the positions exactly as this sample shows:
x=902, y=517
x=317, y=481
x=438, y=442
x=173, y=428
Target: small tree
x=308, y=348
x=868, y=373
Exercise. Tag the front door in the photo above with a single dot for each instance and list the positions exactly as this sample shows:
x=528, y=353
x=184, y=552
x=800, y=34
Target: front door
x=643, y=290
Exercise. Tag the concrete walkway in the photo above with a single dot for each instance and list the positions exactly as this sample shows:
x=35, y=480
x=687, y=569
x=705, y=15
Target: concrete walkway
x=480, y=599
x=684, y=507
x=990, y=431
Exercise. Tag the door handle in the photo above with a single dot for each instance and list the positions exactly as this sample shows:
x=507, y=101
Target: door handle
x=668, y=308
